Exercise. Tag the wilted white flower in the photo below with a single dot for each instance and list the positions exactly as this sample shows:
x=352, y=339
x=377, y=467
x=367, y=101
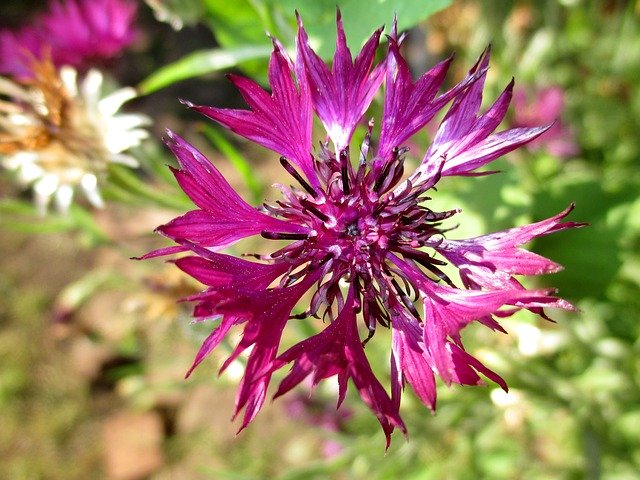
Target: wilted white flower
x=58, y=133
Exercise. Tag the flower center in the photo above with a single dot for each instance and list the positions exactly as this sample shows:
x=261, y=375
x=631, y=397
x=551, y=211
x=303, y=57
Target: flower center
x=359, y=229
x=352, y=230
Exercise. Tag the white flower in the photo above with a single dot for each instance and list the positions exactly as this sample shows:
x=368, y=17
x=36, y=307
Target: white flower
x=58, y=134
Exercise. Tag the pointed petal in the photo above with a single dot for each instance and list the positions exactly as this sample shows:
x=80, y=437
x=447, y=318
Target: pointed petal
x=489, y=149
x=407, y=106
x=281, y=121
x=414, y=364
x=271, y=313
x=341, y=95
x=497, y=254
x=225, y=218
x=217, y=270
x=338, y=350
x=212, y=341
x=465, y=367
x=458, y=120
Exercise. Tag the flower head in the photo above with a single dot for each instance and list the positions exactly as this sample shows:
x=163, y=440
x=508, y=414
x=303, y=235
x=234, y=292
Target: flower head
x=363, y=240
x=57, y=133
x=78, y=33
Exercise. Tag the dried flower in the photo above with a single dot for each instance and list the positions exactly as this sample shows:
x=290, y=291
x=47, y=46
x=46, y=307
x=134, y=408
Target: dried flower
x=363, y=239
x=79, y=33
x=58, y=133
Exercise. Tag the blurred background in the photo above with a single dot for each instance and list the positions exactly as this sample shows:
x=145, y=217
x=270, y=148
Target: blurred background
x=94, y=346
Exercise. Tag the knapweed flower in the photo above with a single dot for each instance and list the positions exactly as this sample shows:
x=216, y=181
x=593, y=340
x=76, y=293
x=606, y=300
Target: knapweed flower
x=79, y=33
x=363, y=240
x=57, y=133
x=546, y=106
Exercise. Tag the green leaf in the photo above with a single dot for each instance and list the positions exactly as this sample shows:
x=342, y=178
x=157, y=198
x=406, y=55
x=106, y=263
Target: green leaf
x=241, y=22
x=23, y=217
x=200, y=63
x=130, y=187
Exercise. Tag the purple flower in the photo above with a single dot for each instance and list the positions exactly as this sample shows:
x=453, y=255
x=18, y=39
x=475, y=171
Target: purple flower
x=363, y=240
x=546, y=107
x=77, y=33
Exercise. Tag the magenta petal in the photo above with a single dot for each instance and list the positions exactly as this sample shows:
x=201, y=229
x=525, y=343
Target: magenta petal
x=408, y=106
x=338, y=350
x=225, y=218
x=448, y=310
x=489, y=149
x=490, y=260
x=270, y=312
x=224, y=270
x=79, y=33
x=201, y=270
x=207, y=230
x=281, y=121
x=414, y=364
x=465, y=367
x=462, y=114
x=476, y=129
x=160, y=252
x=212, y=341
x=464, y=140
x=341, y=95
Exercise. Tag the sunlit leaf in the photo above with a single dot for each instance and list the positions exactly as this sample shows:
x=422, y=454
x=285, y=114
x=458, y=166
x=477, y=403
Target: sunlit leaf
x=201, y=63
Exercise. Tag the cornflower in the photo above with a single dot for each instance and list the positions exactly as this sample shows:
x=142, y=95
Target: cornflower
x=363, y=240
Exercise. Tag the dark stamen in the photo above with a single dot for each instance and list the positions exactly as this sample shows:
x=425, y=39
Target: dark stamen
x=385, y=171
x=283, y=236
x=312, y=208
x=292, y=171
x=437, y=272
x=344, y=163
x=372, y=331
x=324, y=260
x=419, y=255
x=379, y=207
x=290, y=278
x=428, y=262
x=405, y=299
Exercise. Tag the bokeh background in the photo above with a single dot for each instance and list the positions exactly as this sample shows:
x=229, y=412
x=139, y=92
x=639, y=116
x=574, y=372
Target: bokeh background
x=94, y=347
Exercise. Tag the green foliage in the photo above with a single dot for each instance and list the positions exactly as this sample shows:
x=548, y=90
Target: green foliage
x=22, y=216
x=201, y=63
x=360, y=18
